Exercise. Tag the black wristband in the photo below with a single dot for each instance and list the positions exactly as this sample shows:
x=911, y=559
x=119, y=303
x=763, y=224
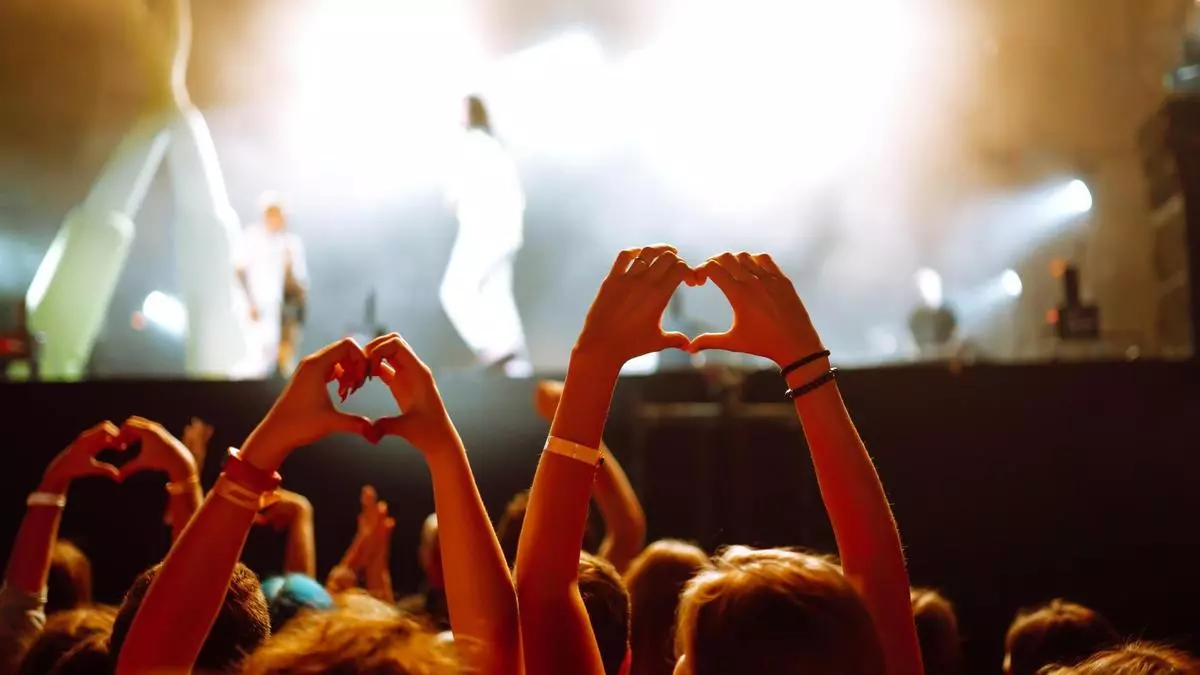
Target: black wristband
x=829, y=376
x=788, y=370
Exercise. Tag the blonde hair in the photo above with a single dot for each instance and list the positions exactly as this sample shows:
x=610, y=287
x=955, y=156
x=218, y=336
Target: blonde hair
x=656, y=579
x=775, y=611
x=1135, y=658
x=349, y=640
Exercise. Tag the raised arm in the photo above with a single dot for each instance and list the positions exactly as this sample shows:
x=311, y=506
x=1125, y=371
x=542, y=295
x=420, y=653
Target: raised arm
x=162, y=452
x=624, y=520
x=770, y=321
x=479, y=590
x=623, y=323
x=182, y=602
x=22, y=600
x=293, y=513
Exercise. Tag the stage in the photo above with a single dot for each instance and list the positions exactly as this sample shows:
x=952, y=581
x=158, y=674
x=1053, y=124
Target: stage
x=1011, y=484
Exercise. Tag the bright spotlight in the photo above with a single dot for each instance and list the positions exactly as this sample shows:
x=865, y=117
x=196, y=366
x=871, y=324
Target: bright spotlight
x=1010, y=281
x=1077, y=197
x=929, y=284
x=165, y=312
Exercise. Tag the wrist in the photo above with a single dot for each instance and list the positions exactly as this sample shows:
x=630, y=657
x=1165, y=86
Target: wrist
x=807, y=373
x=595, y=360
x=260, y=453
x=54, y=485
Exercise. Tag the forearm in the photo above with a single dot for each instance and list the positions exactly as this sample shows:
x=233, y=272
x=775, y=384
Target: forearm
x=479, y=588
x=624, y=519
x=182, y=603
x=300, y=555
x=29, y=562
x=868, y=541
x=555, y=625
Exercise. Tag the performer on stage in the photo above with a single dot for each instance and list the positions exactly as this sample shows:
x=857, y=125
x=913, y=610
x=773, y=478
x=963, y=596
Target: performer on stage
x=272, y=270
x=477, y=291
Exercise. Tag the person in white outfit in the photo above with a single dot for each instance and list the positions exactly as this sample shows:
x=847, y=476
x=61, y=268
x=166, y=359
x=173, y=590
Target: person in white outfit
x=477, y=290
x=70, y=294
x=273, y=272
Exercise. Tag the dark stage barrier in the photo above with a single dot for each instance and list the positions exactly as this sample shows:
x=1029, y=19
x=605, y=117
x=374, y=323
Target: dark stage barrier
x=1012, y=485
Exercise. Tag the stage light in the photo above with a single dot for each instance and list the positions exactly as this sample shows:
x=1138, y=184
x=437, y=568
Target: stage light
x=929, y=285
x=1077, y=197
x=165, y=312
x=1010, y=281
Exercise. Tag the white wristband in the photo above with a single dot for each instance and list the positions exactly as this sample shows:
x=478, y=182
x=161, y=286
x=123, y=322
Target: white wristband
x=46, y=499
x=575, y=451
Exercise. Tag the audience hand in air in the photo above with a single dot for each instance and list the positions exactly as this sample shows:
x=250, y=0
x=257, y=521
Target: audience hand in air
x=287, y=506
x=160, y=451
x=625, y=319
x=546, y=396
x=423, y=420
x=304, y=413
x=79, y=459
x=196, y=436
x=769, y=319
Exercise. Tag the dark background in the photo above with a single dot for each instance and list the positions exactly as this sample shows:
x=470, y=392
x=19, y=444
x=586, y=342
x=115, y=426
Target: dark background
x=1011, y=485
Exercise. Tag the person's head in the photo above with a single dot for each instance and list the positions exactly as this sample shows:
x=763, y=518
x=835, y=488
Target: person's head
x=508, y=531
x=476, y=114
x=655, y=580
x=63, y=632
x=1058, y=632
x=772, y=611
x=287, y=595
x=429, y=553
x=937, y=631
x=273, y=216
x=607, y=604
x=70, y=582
x=348, y=641
x=241, y=626
x=89, y=657
x=1135, y=658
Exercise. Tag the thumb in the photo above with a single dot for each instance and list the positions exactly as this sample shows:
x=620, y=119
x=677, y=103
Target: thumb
x=351, y=424
x=707, y=341
x=675, y=341
x=397, y=425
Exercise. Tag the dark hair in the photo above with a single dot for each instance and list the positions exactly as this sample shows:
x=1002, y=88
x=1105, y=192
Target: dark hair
x=70, y=582
x=656, y=579
x=607, y=604
x=1135, y=658
x=477, y=114
x=348, y=641
x=937, y=631
x=241, y=626
x=63, y=632
x=772, y=611
x=90, y=657
x=508, y=530
x=1058, y=632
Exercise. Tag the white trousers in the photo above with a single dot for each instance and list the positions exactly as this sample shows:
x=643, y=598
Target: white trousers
x=477, y=291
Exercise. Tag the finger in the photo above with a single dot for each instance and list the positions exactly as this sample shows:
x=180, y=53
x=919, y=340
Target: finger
x=707, y=341
x=104, y=469
x=345, y=352
x=748, y=263
x=397, y=352
x=368, y=497
x=766, y=262
x=675, y=341
x=649, y=255
x=103, y=435
x=719, y=275
x=624, y=258
x=662, y=265
x=729, y=262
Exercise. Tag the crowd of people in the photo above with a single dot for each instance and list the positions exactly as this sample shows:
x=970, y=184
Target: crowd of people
x=520, y=596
